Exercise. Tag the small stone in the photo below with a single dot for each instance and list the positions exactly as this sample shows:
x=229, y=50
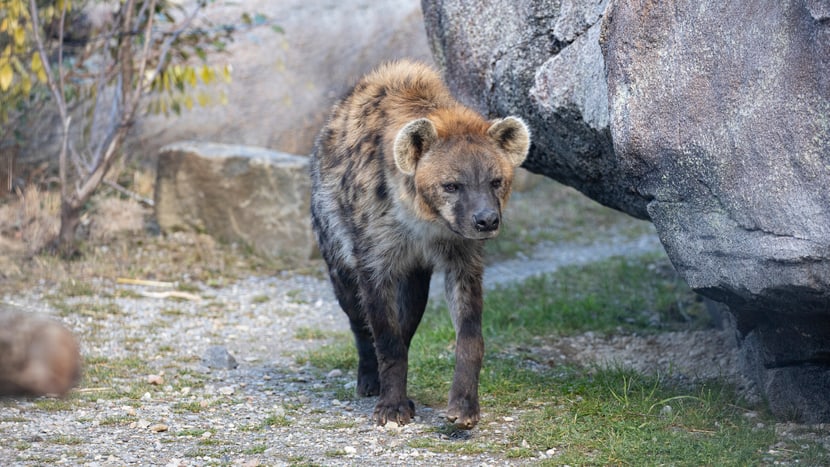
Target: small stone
x=159, y=427
x=666, y=411
x=550, y=452
x=226, y=390
x=142, y=423
x=129, y=410
x=350, y=450
x=218, y=357
x=508, y=419
x=335, y=373
x=155, y=380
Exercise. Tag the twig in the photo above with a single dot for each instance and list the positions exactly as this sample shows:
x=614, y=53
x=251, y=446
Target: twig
x=172, y=294
x=131, y=194
x=128, y=281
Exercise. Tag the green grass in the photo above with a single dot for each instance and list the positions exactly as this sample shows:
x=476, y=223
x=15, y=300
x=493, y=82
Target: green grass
x=587, y=416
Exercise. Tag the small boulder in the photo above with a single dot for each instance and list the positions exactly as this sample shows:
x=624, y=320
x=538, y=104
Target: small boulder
x=39, y=356
x=254, y=196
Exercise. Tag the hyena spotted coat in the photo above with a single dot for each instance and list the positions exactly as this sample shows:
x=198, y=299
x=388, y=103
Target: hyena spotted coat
x=405, y=180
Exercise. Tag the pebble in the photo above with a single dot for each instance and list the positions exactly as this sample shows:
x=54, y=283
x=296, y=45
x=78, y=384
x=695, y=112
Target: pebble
x=156, y=380
x=159, y=427
x=335, y=373
x=226, y=390
x=218, y=357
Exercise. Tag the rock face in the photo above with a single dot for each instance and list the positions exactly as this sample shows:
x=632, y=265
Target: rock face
x=710, y=118
x=720, y=116
x=238, y=194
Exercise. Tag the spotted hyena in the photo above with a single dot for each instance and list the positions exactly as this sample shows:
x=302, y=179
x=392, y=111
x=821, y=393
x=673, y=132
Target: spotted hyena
x=406, y=180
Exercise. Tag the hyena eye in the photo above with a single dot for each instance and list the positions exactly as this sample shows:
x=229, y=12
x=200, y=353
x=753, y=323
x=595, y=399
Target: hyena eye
x=451, y=187
x=496, y=183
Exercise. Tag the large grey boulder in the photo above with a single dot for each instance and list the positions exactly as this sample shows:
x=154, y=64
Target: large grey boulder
x=709, y=118
x=244, y=194
x=720, y=116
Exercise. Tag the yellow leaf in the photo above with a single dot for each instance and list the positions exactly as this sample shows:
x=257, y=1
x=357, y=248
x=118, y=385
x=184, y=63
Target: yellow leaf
x=203, y=99
x=190, y=76
x=20, y=37
x=207, y=74
x=4, y=25
x=6, y=76
x=64, y=3
x=223, y=98
x=41, y=76
x=188, y=102
x=226, y=73
x=36, y=65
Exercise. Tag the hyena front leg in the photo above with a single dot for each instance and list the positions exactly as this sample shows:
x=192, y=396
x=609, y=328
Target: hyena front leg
x=464, y=296
x=346, y=291
x=413, y=293
x=379, y=301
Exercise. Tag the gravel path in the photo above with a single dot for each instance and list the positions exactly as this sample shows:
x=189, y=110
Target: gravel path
x=270, y=410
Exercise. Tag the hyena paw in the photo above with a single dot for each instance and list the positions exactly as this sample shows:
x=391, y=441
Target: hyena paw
x=463, y=413
x=400, y=412
x=368, y=384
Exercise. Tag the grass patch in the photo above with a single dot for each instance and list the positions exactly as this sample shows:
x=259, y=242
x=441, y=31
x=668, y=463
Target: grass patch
x=620, y=294
x=259, y=299
x=257, y=449
x=276, y=421
x=76, y=288
x=305, y=333
x=339, y=354
x=587, y=416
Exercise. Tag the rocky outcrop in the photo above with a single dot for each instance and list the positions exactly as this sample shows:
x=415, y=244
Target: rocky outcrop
x=243, y=194
x=725, y=129
x=709, y=118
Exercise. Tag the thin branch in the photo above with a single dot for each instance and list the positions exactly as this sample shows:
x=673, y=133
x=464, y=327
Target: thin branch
x=57, y=92
x=131, y=194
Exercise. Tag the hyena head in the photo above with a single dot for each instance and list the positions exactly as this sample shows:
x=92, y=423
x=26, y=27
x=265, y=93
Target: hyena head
x=462, y=170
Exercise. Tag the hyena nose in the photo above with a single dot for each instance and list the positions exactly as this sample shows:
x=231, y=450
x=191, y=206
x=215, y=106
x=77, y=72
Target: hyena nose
x=486, y=220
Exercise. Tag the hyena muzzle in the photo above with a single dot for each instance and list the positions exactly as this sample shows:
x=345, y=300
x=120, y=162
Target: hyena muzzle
x=405, y=181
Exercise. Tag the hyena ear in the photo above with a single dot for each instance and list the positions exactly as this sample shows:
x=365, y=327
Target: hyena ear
x=412, y=142
x=512, y=135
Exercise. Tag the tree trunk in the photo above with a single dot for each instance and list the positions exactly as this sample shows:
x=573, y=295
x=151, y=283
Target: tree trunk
x=70, y=220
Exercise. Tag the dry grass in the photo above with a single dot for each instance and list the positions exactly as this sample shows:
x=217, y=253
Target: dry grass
x=30, y=221
x=117, y=240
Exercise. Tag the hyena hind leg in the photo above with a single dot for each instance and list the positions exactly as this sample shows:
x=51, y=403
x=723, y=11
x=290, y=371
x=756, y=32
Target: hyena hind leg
x=346, y=291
